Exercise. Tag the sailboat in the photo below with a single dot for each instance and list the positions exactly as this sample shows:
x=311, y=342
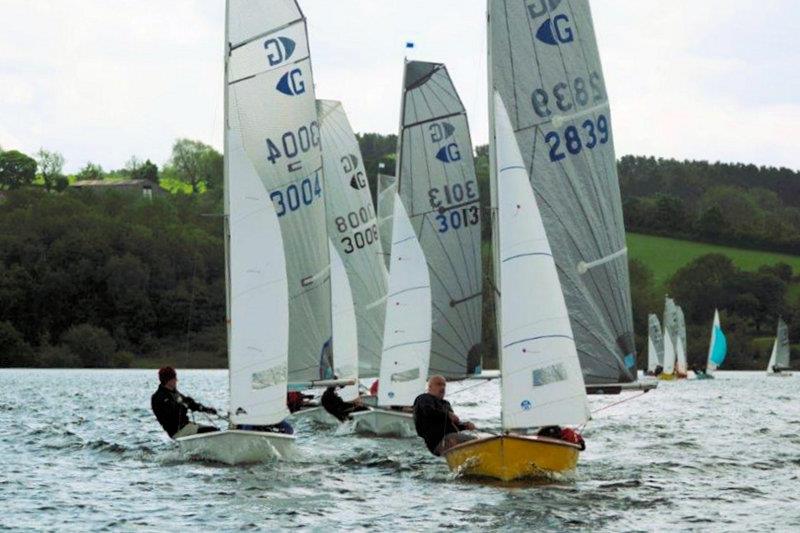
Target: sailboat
x=670, y=324
x=437, y=184
x=542, y=382
x=681, y=362
x=717, y=349
x=356, y=247
x=564, y=316
x=257, y=288
x=779, y=364
x=387, y=187
x=277, y=250
x=406, y=337
x=655, y=345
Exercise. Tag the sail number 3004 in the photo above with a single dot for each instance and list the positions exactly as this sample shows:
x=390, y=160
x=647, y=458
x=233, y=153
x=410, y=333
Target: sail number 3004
x=594, y=133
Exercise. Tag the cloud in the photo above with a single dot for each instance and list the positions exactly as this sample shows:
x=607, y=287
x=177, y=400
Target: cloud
x=101, y=81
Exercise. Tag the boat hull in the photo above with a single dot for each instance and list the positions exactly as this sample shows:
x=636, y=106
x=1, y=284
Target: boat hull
x=510, y=457
x=317, y=415
x=703, y=376
x=666, y=377
x=384, y=423
x=236, y=446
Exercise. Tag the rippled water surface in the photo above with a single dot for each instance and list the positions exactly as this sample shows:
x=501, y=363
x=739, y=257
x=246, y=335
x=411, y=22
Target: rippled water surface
x=81, y=450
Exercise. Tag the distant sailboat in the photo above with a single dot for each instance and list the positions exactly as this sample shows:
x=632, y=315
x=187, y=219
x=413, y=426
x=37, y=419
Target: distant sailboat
x=717, y=349
x=655, y=346
x=779, y=364
x=672, y=343
x=406, y=349
x=681, y=360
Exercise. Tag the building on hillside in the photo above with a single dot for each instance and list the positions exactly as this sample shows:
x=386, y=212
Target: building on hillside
x=146, y=188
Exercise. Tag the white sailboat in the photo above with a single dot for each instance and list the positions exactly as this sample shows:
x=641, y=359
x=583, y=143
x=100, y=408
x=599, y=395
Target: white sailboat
x=779, y=364
x=681, y=361
x=655, y=345
x=407, y=335
x=358, y=274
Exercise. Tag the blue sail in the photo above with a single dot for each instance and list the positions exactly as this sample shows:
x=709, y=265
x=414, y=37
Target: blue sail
x=720, y=347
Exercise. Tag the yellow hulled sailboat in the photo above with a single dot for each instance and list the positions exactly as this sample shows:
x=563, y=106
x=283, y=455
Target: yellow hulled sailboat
x=564, y=320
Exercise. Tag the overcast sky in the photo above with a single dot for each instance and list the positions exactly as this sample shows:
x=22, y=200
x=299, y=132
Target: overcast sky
x=102, y=80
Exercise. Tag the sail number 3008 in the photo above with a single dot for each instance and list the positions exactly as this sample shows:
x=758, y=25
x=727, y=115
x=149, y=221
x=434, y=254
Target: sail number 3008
x=364, y=234
x=595, y=133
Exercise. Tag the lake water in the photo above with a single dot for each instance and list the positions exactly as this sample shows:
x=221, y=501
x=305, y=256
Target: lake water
x=81, y=451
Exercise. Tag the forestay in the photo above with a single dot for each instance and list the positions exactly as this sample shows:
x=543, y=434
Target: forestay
x=345, y=328
x=436, y=181
x=655, y=344
x=407, y=333
x=353, y=227
x=258, y=331
x=387, y=188
x=271, y=94
x=542, y=380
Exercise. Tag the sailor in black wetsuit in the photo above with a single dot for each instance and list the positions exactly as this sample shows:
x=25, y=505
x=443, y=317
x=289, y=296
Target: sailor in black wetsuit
x=435, y=420
x=171, y=407
x=339, y=408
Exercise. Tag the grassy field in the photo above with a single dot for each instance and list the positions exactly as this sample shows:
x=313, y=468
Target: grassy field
x=665, y=256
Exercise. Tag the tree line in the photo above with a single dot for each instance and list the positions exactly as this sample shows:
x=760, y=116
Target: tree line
x=110, y=280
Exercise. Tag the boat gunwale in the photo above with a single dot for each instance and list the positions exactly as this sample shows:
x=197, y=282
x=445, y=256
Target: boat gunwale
x=247, y=432
x=528, y=438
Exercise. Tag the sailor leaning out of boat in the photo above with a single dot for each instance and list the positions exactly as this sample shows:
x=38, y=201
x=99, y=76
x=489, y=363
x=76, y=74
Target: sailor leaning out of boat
x=171, y=407
x=435, y=420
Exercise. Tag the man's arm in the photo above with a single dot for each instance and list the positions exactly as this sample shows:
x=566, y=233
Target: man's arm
x=429, y=407
x=196, y=406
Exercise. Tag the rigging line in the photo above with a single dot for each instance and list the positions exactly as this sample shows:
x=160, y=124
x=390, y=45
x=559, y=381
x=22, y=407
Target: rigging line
x=612, y=405
x=481, y=382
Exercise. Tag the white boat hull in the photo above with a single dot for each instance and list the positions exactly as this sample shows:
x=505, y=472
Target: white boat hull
x=316, y=414
x=384, y=423
x=235, y=446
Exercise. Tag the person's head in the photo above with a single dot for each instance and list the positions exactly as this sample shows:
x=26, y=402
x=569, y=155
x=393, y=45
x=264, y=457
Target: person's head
x=436, y=386
x=167, y=377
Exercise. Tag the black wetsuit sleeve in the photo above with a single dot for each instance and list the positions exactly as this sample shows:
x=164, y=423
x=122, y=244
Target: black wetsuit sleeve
x=191, y=404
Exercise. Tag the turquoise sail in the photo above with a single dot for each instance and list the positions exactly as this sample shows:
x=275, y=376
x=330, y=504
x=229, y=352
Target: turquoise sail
x=720, y=347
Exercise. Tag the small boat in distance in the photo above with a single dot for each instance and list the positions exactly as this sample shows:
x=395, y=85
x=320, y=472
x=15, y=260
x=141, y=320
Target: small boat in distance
x=779, y=364
x=655, y=346
x=717, y=349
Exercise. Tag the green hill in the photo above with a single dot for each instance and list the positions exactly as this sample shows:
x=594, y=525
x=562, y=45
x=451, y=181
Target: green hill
x=665, y=256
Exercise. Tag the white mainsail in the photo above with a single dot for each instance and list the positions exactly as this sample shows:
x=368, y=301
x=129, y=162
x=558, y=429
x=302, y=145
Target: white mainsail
x=780, y=348
x=387, y=188
x=271, y=93
x=669, y=352
x=407, y=333
x=545, y=65
x=542, y=380
x=353, y=228
x=681, y=362
x=437, y=183
x=655, y=343
x=345, y=328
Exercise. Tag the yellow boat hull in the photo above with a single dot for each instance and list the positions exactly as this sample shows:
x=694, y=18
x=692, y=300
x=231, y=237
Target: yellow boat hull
x=666, y=377
x=510, y=457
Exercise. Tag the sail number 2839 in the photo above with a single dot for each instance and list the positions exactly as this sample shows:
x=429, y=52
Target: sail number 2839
x=573, y=140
